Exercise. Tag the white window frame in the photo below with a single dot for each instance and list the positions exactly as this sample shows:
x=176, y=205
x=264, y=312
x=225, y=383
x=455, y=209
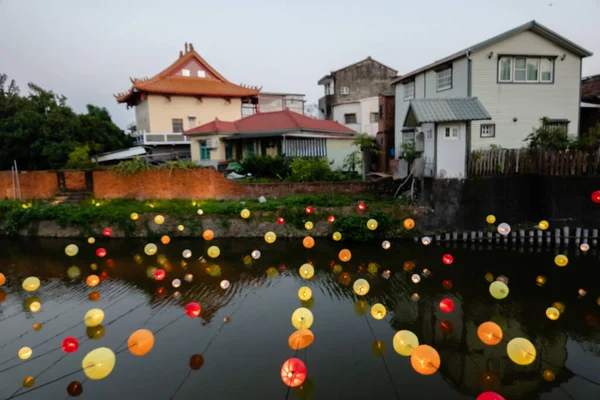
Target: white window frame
x=409, y=93
x=345, y=90
x=487, y=130
x=544, y=64
x=346, y=115
x=524, y=69
x=185, y=72
x=550, y=66
x=452, y=133
x=530, y=61
x=373, y=117
x=201, y=73
x=442, y=77
x=510, y=72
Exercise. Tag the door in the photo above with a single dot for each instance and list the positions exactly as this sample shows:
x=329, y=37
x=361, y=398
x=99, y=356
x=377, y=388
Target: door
x=451, y=150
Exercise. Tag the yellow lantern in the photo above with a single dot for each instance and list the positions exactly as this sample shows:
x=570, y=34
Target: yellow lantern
x=378, y=311
x=301, y=339
x=308, y=242
x=337, y=268
x=73, y=272
x=71, y=250
x=548, y=375
x=25, y=352
x=159, y=220
x=307, y=271
x=372, y=224
x=543, y=225
x=337, y=236
x=35, y=306
x=521, y=351
x=425, y=360
x=373, y=268
x=308, y=225
x=561, y=260
x=302, y=318
x=134, y=216
x=405, y=342
x=31, y=284
x=540, y=280
x=140, y=342
x=304, y=293
x=361, y=287
x=490, y=219
x=489, y=333
x=91, y=240
x=93, y=317
x=180, y=228
x=345, y=255
x=213, y=252
x=552, y=313
x=28, y=382
x=38, y=326
x=98, y=363
x=272, y=272
x=270, y=237
x=245, y=213
x=378, y=348
x=559, y=306
x=150, y=249
x=499, y=290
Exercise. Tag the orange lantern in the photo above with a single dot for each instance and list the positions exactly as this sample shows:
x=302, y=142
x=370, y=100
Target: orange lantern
x=490, y=333
x=301, y=339
x=94, y=296
x=92, y=280
x=140, y=342
x=208, y=235
x=344, y=278
x=308, y=242
x=345, y=255
x=409, y=265
x=409, y=223
x=165, y=240
x=2, y=279
x=425, y=360
x=196, y=361
x=293, y=372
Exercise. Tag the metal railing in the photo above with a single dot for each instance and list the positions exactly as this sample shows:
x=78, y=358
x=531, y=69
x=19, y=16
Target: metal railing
x=148, y=138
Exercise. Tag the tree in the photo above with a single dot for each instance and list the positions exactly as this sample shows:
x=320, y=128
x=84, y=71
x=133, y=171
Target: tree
x=368, y=147
x=311, y=110
x=80, y=158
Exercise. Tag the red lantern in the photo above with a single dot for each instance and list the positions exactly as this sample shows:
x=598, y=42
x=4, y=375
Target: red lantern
x=103, y=276
x=110, y=263
x=490, y=396
x=196, y=361
x=446, y=327
x=280, y=221
x=331, y=219
x=74, y=389
x=309, y=210
x=193, y=309
x=159, y=274
x=107, y=232
x=361, y=206
x=447, y=259
x=70, y=344
x=101, y=252
x=446, y=305
x=293, y=372
x=596, y=196
x=447, y=284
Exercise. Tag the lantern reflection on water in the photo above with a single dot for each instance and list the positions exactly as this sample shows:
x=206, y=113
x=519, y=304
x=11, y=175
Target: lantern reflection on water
x=521, y=351
x=405, y=342
x=489, y=333
x=425, y=360
x=361, y=287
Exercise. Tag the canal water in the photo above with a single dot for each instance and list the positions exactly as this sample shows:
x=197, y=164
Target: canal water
x=236, y=348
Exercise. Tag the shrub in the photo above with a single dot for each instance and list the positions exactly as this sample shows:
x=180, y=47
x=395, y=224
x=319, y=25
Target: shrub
x=132, y=166
x=267, y=166
x=310, y=170
x=354, y=227
x=79, y=158
x=178, y=164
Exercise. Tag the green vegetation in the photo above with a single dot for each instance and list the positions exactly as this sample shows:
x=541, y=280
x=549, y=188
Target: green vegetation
x=276, y=168
x=547, y=137
x=79, y=158
x=138, y=164
x=297, y=169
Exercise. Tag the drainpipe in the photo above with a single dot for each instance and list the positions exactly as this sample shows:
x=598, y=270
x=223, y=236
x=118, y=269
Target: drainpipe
x=468, y=55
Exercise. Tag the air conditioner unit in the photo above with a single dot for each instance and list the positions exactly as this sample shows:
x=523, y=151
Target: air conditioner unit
x=212, y=143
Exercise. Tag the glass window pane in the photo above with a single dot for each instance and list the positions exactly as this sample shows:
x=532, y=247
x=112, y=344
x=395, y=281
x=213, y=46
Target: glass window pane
x=505, y=68
x=519, y=75
x=532, y=69
x=546, y=70
x=519, y=63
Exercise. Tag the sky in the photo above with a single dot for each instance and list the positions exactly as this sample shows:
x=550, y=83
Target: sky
x=88, y=50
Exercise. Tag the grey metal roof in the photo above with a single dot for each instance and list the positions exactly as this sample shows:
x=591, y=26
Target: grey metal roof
x=445, y=110
x=531, y=25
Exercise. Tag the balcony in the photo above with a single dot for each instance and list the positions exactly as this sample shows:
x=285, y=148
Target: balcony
x=157, y=139
x=325, y=104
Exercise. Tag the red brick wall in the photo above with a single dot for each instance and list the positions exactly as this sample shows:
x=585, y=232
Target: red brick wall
x=34, y=185
x=75, y=180
x=285, y=189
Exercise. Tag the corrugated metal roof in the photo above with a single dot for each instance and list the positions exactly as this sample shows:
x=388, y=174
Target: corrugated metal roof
x=445, y=110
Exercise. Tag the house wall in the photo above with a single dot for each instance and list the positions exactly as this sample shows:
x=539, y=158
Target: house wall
x=142, y=117
x=364, y=79
x=429, y=148
x=527, y=102
x=337, y=150
x=348, y=108
x=368, y=106
x=162, y=111
x=277, y=102
x=217, y=154
x=451, y=153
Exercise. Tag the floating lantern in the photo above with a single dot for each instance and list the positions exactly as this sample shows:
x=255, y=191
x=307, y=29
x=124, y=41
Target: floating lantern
x=35, y=306
x=107, y=232
x=140, y=342
x=372, y=268
x=540, y=280
x=159, y=274
x=447, y=284
x=187, y=253
x=165, y=239
x=405, y=342
x=596, y=196
x=196, y=362
x=489, y=396
x=426, y=273
x=25, y=352
x=552, y=313
x=188, y=278
x=31, y=284
x=93, y=317
x=270, y=237
x=70, y=344
x=502, y=279
x=101, y=252
x=337, y=236
x=75, y=389
x=91, y=240
x=95, y=332
x=378, y=348
x=28, y=382
x=361, y=287
x=176, y=283
x=361, y=206
x=344, y=278
x=446, y=305
x=490, y=333
x=425, y=360
x=280, y=221
x=561, y=260
x=378, y=311
x=584, y=247
x=307, y=271
x=345, y=255
x=134, y=216
x=408, y=265
x=582, y=293
x=301, y=339
x=372, y=224
x=426, y=240
x=361, y=308
x=214, y=270
x=386, y=274
x=409, y=223
x=94, y=296
x=180, y=228
x=224, y=284
x=521, y=351
x=150, y=249
x=499, y=290
x=302, y=318
x=331, y=219
x=255, y=254
x=193, y=309
x=337, y=268
x=92, y=280
x=38, y=326
x=415, y=297
x=72, y=272
x=308, y=225
x=308, y=242
x=386, y=245
x=213, y=252
x=490, y=219
x=309, y=210
x=447, y=259
x=98, y=363
x=293, y=372
x=159, y=220
x=304, y=293
x=489, y=277
x=208, y=235
x=245, y=213
x=504, y=229
x=271, y=272
x=446, y=327
x=416, y=278
x=71, y=250
x=200, y=212
x=2, y=279
x=548, y=375
x=543, y=225
x=559, y=306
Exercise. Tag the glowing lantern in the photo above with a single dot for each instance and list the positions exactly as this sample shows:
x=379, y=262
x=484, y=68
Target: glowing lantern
x=91, y=240
x=308, y=225
x=30, y=380
x=75, y=389
x=345, y=255
x=304, y=293
x=101, y=252
x=150, y=249
x=255, y=254
x=165, y=239
x=72, y=272
x=180, y=228
x=280, y=221
x=213, y=252
x=416, y=278
x=293, y=372
x=70, y=344
x=134, y=216
x=95, y=332
x=24, y=353
x=196, y=362
x=337, y=268
x=584, y=247
x=521, y=351
x=373, y=268
x=307, y=271
x=331, y=219
x=386, y=245
x=187, y=253
x=426, y=240
x=489, y=333
x=499, y=290
x=361, y=307
x=548, y=375
x=344, y=278
x=93, y=317
x=446, y=327
x=489, y=277
x=302, y=318
x=159, y=274
x=490, y=219
x=378, y=348
x=386, y=274
x=581, y=293
x=208, y=235
x=159, y=220
x=271, y=272
x=415, y=297
x=426, y=273
x=409, y=223
x=543, y=225
x=489, y=396
x=245, y=213
x=140, y=342
x=35, y=306
x=361, y=287
x=405, y=342
x=71, y=250
x=552, y=313
x=107, y=232
x=270, y=237
x=378, y=311
x=176, y=283
x=361, y=206
x=224, y=284
x=188, y=278
x=301, y=339
x=372, y=224
x=193, y=309
x=31, y=284
x=200, y=212
x=447, y=259
x=2, y=279
x=38, y=326
x=92, y=280
x=561, y=260
x=425, y=360
x=446, y=305
x=540, y=280
x=94, y=296
x=447, y=284
x=596, y=196
x=504, y=229
x=98, y=363
x=337, y=236
x=309, y=210
x=308, y=242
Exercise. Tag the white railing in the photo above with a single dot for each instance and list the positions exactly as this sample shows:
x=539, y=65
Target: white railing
x=168, y=138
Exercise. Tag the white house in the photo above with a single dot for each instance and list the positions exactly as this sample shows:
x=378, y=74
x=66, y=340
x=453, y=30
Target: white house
x=518, y=77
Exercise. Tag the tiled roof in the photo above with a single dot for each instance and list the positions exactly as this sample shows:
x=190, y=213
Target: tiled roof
x=277, y=121
x=590, y=89
x=446, y=110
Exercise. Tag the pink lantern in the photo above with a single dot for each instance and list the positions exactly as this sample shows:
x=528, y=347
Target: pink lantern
x=101, y=252
x=107, y=232
x=490, y=396
x=193, y=309
x=159, y=274
x=446, y=305
x=70, y=344
x=447, y=259
x=293, y=372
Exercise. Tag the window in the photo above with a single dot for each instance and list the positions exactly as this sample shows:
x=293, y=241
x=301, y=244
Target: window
x=526, y=69
x=444, y=79
x=505, y=69
x=374, y=117
x=487, y=130
x=546, y=70
x=532, y=69
x=520, y=69
x=204, y=151
x=345, y=90
x=557, y=124
x=192, y=121
x=177, y=125
x=409, y=90
x=451, y=133
x=185, y=72
x=350, y=118
x=201, y=74
x=381, y=111
x=249, y=148
x=228, y=151
x=429, y=134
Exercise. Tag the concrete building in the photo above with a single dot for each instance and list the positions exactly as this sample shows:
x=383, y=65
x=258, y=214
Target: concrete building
x=385, y=132
x=271, y=101
x=352, y=94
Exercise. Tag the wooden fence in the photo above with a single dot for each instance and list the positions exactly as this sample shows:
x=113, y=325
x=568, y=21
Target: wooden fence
x=497, y=162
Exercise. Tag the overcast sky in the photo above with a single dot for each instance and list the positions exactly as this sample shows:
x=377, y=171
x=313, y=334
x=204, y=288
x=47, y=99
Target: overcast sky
x=87, y=50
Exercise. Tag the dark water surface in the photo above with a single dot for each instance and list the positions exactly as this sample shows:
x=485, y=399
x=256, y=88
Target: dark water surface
x=243, y=357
